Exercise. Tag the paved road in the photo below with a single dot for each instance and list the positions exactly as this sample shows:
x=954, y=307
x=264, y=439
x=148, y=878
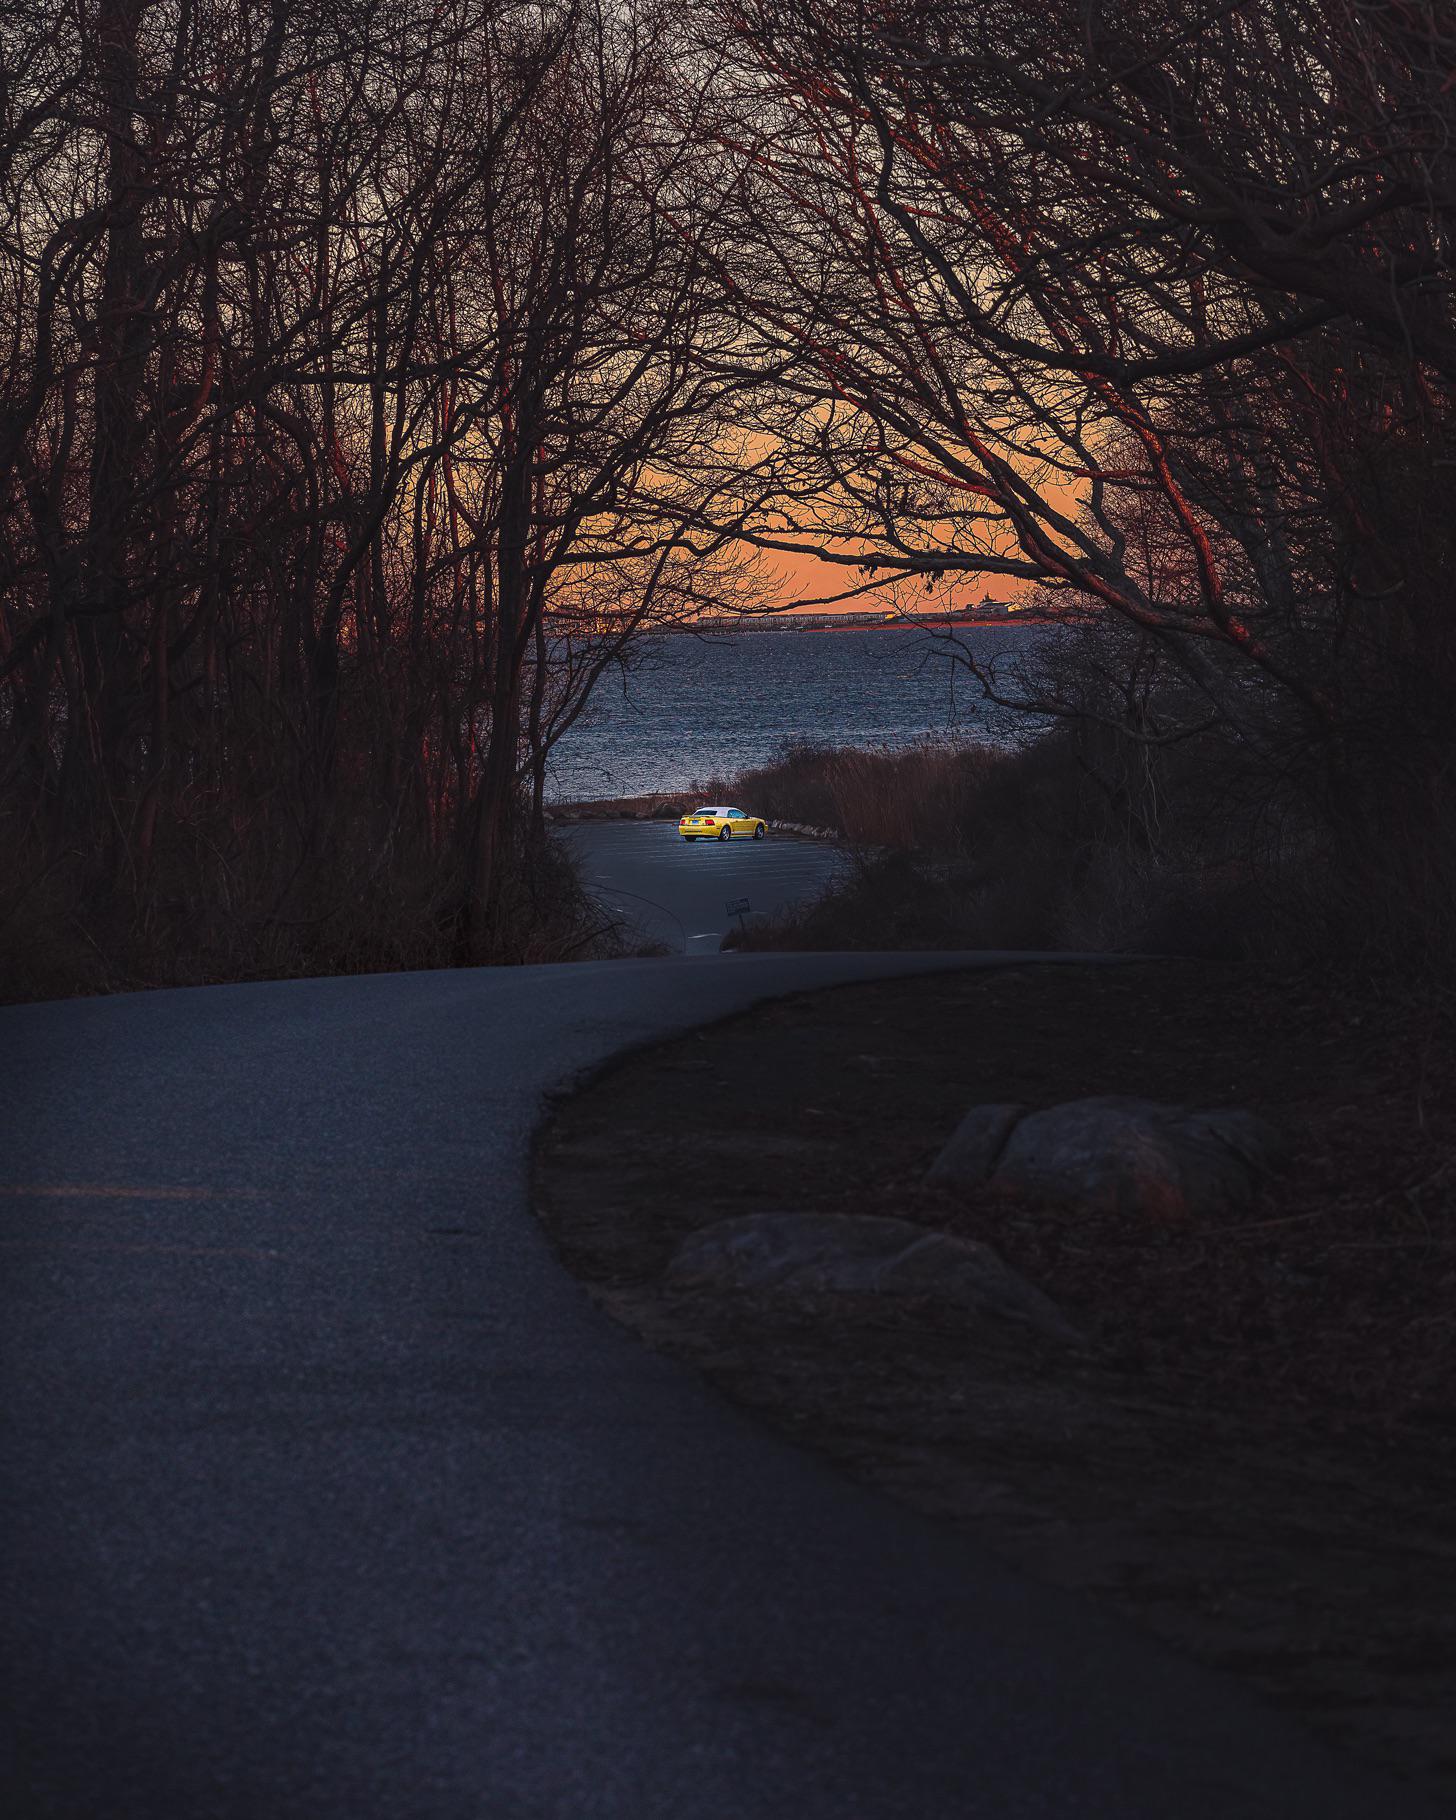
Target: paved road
x=675, y=892
x=328, y=1495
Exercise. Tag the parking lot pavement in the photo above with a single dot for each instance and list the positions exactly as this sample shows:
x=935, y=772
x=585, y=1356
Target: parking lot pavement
x=676, y=892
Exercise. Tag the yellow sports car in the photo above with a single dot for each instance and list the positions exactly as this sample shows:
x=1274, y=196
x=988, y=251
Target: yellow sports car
x=721, y=824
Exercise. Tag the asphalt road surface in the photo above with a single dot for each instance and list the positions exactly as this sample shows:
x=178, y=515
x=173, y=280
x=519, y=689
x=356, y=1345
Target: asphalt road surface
x=327, y=1493
x=676, y=892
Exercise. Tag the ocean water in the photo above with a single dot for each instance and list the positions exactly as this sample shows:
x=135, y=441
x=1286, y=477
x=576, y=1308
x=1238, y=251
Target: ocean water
x=707, y=707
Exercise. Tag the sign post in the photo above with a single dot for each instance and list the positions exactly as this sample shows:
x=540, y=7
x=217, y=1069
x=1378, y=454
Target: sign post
x=739, y=907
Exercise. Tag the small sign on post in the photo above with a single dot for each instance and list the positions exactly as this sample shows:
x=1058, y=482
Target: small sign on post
x=739, y=907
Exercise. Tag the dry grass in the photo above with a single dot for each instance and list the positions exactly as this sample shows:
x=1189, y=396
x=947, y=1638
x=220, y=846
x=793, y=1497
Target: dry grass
x=1255, y=1456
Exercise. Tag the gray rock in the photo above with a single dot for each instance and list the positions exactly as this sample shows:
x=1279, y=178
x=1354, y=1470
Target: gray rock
x=976, y=1144
x=1117, y=1153
x=812, y=1254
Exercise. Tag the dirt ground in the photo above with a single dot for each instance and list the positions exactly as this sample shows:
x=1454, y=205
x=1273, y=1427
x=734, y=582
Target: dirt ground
x=1255, y=1456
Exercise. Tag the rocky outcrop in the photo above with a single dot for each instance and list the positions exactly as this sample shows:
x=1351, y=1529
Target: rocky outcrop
x=1116, y=1154
x=806, y=830
x=976, y=1144
x=825, y=1254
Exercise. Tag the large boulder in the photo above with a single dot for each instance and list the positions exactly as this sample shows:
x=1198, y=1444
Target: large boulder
x=976, y=1144
x=818, y=1254
x=1115, y=1153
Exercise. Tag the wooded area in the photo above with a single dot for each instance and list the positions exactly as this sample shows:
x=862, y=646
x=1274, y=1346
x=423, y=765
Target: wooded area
x=373, y=375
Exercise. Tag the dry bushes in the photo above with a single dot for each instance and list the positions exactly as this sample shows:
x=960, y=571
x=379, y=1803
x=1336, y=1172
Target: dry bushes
x=918, y=798
x=217, y=909
x=1076, y=841
x=1170, y=805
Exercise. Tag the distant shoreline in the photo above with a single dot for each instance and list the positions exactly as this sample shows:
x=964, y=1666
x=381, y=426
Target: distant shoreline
x=654, y=806
x=792, y=622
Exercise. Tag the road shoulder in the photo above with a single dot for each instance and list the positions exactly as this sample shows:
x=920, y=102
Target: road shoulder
x=1253, y=1458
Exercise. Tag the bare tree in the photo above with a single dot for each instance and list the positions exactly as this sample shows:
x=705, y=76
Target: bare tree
x=350, y=427
x=1149, y=308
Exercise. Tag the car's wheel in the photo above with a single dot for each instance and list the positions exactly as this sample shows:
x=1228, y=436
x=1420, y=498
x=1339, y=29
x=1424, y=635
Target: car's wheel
x=726, y=834
x=759, y=832
x=690, y=837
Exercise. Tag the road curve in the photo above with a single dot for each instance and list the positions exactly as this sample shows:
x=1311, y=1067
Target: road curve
x=677, y=892
x=328, y=1494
